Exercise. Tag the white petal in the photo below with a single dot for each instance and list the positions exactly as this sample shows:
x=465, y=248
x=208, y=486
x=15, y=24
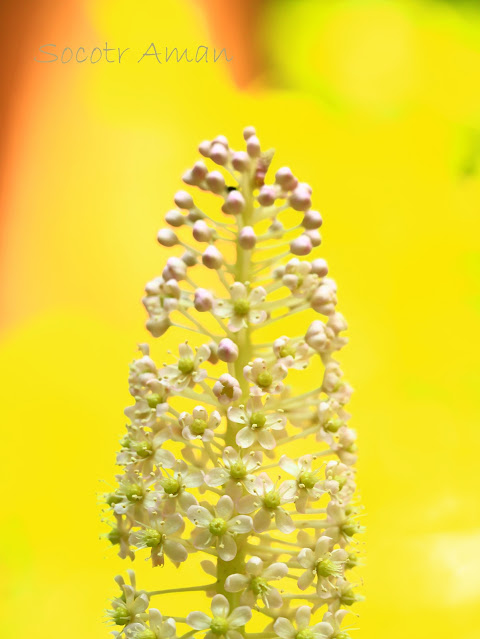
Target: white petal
x=240, y=616
x=266, y=439
x=274, y=598
x=289, y=465
x=284, y=628
x=254, y=566
x=198, y=620
x=323, y=629
x=225, y=507
x=306, y=558
x=199, y=516
x=305, y=579
x=226, y=547
x=220, y=607
x=175, y=551
x=236, y=582
x=216, y=477
x=283, y=521
x=303, y=616
x=240, y=524
x=261, y=521
x=277, y=570
x=245, y=437
x=322, y=546
x=203, y=538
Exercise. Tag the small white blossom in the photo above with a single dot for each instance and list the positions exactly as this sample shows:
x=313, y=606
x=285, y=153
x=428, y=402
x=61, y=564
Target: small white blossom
x=267, y=379
x=286, y=630
x=267, y=500
x=187, y=372
x=257, y=423
x=243, y=308
x=223, y=623
x=320, y=563
x=254, y=583
x=159, y=535
x=199, y=425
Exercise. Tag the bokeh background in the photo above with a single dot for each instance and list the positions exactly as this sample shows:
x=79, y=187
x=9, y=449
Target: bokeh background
x=377, y=105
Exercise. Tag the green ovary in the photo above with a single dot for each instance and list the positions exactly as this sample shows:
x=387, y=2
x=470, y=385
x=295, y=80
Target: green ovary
x=259, y=586
x=238, y=470
x=264, y=379
x=218, y=526
x=326, y=568
x=143, y=449
x=170, y=485
x=146, y=634
x=308, y=479
x=198, y=426
x=219, y=626
x=287, y=350
x=271, y=500
x=241, y=307
x=133, y=492
x=121, y=616
x=154, y=399
x=257, y=420
x=152, y=537
x=186, y=365
x=306, y=633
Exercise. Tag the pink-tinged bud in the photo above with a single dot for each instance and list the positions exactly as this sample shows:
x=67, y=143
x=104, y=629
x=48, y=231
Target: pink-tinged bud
x=285, y=178
x=253, y=147
x=320, y=267
x=227, y=389
x=158, y=326
x=175, y=269
x=314, y=237
x=175, y=218
x=248, y=131
x=276, y=228
x=234, y=203
x=312, y=220
x=337, y=323
x=202, y=232
x=194, y=215
x=227, y=350
x=212, y=258
x=203, y=300
x=166, y=237
x=188, y=178
x=220, y=139
x=189, y=258
x=247, y=238
x=267, y=195
x=300, y=199
x=324, y=300
x=301, y=245
x=216, y=182
x=316, y=336
x=240, y=161
x=204, y=148
x=183, y=200
x=213, y=357
x=199, y=170
x=219, y=154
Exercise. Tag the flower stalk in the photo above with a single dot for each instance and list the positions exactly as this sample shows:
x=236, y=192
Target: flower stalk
x=205, y=463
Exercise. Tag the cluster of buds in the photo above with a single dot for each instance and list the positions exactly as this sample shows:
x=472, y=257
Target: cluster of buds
x=207, y=461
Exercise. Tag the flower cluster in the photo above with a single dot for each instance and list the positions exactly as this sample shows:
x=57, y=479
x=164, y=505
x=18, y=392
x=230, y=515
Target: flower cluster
x=208, y=463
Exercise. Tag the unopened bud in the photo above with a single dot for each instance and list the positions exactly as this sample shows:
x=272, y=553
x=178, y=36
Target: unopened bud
x=203, y=300
x=314, y=237
x=240, y=161
x=248, y=131
x=300, y=199
x=174, y=269
x=253, y=147
x=204, y=148
x=202, y=232
x=157, y=326
x=219, y=154
x=267, y=195
x=216, y=182
x=166, y=237
x=285, y=178
x=320, y=267
x=227, y=350
x=175, y=218
x=312, y=220
x=212, y=258
x=301, y=245
x=247, y=238
x=189, y=258
x=235, y=203
x=183, y=200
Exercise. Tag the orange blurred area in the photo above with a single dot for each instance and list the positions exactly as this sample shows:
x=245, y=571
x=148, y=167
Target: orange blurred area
x=376, y=105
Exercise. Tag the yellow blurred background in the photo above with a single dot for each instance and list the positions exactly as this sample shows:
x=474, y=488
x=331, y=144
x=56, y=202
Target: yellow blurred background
x=377, y=105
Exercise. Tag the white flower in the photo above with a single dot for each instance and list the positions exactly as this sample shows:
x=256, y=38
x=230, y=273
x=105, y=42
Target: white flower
x=172, y=488
x=335, y=620
x=269, y=499
x=130, y=608
x=187, y=372
x=236, y=473
x=298, y=277
x=339, y=481
x=157, y=536
x=157, y=628
x=265, y=379
x=321, y=563
x=257, y=423
x=341, y=527
x=143, y=450
x=308, y=483
x=199, y=425
x=218, y=528
x=243, y=308
x=136, y=493
x=223, y=623
x=254, y=583
x=294, y=354
x=285, y=629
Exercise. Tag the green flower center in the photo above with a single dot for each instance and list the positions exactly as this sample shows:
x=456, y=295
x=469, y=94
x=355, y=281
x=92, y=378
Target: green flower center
x=341, y=480
x=352, y=561
x=198, y=426
x=348, y=598
x=333, y=425
x=218, y=526
x=170, y=485
x=151, y=537
x=113, y=498
x=238, y=470
x=271, y=500
x=350, y=528
x=308, y=479
x=143, y=449
x=241, y=307
x=264, y=379
x=154, y=399
x=219, y=626
x=259, y=586
x=133, y=492
x=257, y=420
x=287, y=350
x=146, y=634
x=121, y=616
x=186, y=365
x=326, y=568
x=306, y=633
